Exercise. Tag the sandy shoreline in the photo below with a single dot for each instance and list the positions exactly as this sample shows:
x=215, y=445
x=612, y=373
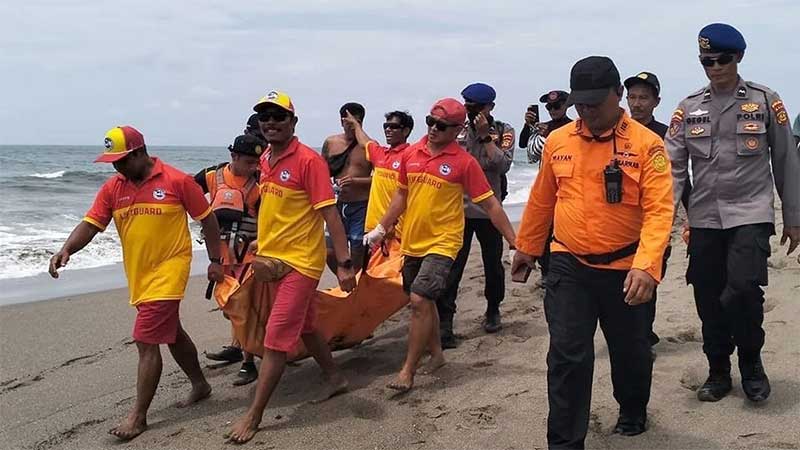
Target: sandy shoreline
x=67, y=375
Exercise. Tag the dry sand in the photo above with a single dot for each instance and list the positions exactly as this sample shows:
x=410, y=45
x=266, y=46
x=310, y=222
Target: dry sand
x=67, y=375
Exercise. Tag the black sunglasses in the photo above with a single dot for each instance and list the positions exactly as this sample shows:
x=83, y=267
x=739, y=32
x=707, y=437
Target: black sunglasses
x=391, y=125
x=725, y=58
x=552, y=106
x=440, y=126
x=277, y=116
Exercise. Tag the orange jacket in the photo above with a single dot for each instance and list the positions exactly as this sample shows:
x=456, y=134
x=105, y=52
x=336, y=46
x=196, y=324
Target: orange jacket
x=569, y=192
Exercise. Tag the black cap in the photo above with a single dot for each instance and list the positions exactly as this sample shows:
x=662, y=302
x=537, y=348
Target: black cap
x=248, y=144
x=553, y=97
x=590, y=80
x=644, y=78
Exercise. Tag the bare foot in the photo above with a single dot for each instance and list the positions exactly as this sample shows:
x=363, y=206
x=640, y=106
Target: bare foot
x=244, y=429
x=130, y=427
x=434, y=363
x=198, y=393
x=336, y=384
x=403, y=383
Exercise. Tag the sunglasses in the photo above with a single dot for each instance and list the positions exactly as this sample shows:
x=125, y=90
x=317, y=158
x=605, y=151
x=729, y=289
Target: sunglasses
x=438, y=124
x=277, y=116
x=392, y=126
x=552, y=106
x=722, y=60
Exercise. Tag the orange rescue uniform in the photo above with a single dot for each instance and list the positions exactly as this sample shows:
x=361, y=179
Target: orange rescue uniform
x=569, y=192
x=434, y=216
x=290, y=226
x=152, y=226
x=386, y=162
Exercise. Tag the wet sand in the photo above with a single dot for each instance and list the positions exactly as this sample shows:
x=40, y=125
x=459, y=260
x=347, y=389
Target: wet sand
x=67, y=375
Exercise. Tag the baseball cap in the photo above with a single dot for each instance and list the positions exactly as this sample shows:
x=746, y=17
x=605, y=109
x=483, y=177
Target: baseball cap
x=247, y=144
x=449, y=110
x=275, y=98
x=720, y=38
x=479, y=93
x=553, y=97
x=120, y=141
x=644, y=78
x=590, y=80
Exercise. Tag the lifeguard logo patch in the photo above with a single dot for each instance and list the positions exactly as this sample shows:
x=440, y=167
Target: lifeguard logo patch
x=159, y=194
x=445, y=169
x=285, y=175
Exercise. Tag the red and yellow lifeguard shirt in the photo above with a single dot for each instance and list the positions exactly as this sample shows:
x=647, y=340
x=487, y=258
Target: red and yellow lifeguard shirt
x=290, y=227
x=152, y=226
x=386, y=163
x=434, y=217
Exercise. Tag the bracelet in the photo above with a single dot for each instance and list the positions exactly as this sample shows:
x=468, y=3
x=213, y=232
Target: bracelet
x=215, y=260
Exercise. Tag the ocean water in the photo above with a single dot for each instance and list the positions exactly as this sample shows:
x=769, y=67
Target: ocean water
x=46, y=190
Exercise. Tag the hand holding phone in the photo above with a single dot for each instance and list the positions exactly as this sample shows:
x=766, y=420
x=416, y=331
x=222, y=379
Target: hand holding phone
x=521, y=267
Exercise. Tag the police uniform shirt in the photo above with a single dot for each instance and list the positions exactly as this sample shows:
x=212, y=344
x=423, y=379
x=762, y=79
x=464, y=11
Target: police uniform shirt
x=731, y=141
x=494, y=166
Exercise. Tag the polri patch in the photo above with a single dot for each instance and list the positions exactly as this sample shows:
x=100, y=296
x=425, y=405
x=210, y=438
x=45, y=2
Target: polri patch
x=780, y=112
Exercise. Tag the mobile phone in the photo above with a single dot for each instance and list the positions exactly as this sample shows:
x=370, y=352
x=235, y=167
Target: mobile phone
x=522, y=274
x=535, y=110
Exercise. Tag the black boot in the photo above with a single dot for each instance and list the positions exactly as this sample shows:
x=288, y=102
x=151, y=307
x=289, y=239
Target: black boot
x=491, y=322
x=755, y=383
x=631, y=425
x=229, y=354
x=718, y=383
x=247, y=374
x=446, y=336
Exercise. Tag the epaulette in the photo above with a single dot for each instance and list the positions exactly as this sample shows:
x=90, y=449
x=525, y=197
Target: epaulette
x=697, y=92
x=759, y=87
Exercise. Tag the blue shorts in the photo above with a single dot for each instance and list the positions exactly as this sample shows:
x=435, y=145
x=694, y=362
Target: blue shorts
x=354, y=216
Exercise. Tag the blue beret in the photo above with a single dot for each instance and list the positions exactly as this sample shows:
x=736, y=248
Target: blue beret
x=479, y=93
x=720, y=38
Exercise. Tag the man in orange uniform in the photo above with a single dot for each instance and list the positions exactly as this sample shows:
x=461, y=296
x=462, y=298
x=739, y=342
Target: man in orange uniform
x=386, y=163
x=606, y=187
x=233, y=188
x=148, y=201
x=296, y=197
x=435, y=174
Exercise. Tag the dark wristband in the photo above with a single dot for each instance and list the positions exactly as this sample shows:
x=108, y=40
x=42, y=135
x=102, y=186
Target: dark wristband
x=215, y=260
x=346, y=264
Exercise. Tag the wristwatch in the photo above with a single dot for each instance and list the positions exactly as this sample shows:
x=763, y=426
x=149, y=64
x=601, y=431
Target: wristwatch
x=346, y=264
x=215, y=260
x=485, y=140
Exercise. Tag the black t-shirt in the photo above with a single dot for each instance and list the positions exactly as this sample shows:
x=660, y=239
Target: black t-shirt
x=657, y=128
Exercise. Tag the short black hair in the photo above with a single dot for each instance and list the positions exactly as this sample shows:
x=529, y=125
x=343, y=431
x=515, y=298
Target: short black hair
x=403, y=116
x=356, y=109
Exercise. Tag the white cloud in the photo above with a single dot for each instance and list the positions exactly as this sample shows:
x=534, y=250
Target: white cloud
x=158, y=64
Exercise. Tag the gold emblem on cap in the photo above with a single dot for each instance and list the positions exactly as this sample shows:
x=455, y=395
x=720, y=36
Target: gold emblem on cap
x=704, y=42
x=750, y=107
x=697, y=131
x=642, y=76
x=259, y=149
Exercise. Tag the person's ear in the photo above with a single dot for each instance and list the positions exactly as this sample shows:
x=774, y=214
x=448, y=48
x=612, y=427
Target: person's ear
x=658, y=102
x=739, y=57
x=294, y=120
x=491, y=106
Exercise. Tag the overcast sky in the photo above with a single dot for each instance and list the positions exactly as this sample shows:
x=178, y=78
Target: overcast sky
x=189, y=72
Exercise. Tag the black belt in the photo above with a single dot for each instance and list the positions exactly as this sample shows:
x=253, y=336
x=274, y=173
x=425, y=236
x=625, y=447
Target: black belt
x=607, y=258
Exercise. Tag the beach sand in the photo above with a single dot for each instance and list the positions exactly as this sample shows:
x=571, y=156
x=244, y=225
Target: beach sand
x=67, y=375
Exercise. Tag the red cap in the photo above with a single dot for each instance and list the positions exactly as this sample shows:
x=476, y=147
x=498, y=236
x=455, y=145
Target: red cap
x=450, y=110
x=120, y=141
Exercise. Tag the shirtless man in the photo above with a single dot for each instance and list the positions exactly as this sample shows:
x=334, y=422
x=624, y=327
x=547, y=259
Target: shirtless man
x=351, y=173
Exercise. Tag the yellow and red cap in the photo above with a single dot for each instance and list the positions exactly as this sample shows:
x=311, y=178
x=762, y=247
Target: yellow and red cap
x=119, y=142
x=275, y=98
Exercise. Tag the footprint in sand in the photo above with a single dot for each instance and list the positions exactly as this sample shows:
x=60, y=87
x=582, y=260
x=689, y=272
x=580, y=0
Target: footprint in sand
x=692, y=377
x=484, y=417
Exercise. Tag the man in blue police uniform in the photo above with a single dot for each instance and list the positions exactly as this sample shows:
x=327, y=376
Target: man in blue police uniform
x=491, y=142
x=738, y=137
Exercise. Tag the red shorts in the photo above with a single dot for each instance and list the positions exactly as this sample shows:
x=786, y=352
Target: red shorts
x=157, y=322
x=293, y=312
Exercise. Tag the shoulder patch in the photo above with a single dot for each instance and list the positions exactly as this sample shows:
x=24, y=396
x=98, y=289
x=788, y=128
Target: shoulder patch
x=659, y=162
x=675, y=122
x=781, y=116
